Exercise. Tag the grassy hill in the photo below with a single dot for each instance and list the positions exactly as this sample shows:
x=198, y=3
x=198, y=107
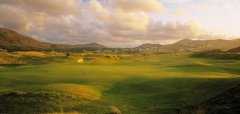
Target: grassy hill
x=188, y=45
x=234, y=50
x=202, y=45
x=232, y=54
x=13, y=41
x=148, y=45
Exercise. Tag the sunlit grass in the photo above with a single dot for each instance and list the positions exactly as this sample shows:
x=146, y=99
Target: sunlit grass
x=130, y=83
x=75, y=91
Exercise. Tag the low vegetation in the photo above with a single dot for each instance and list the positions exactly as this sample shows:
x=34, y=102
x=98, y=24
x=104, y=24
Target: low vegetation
x=53, y=82
x=218, y=54
x=31, y=57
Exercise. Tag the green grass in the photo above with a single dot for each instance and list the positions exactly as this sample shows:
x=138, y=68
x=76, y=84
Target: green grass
x=134, y=84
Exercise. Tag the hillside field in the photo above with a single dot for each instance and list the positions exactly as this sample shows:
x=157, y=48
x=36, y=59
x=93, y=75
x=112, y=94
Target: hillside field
x=114, y=84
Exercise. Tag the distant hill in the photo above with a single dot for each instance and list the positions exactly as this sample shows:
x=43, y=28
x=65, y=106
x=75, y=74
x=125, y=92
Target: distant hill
x=234, y=50
x=207, y=54
x=203, y=45
x=188, y=45
x=186, y=41
x=231, y=54
x=13, y=41
x=149, y=45
x=90, y=45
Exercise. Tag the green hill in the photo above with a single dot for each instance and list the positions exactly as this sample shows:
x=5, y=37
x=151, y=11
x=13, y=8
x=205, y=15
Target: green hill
x=13, y=41
x=188, y=45
x=149, y=45
x=231, y=54
x=234, y=50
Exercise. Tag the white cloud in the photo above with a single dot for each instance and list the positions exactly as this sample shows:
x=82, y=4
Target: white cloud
x=138, y=5
x=176, y=1
x=179, y=11
x=13, y=18
x=115, y=23
x=53, y=7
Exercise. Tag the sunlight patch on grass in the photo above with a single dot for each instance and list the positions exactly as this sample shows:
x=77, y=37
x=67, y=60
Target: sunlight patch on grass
x=203, y=63
x=76, y=91
x=31, y=53
x=74, y=112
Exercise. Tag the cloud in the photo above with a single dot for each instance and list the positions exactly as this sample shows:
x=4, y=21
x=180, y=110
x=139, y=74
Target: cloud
x=131, y=25
x=98, y=10
x=176, y=1
x=118, y=23
x=179, y=11
x=47, y=20
x=176, y=30
x=54, y=7
x=129, y=21
x=157, y=31
x=12, y=18
x=119, y=18
x=138, y=5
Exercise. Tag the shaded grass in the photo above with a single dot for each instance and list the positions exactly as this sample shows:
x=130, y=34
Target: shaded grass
x=14, y=102
x=165, y=95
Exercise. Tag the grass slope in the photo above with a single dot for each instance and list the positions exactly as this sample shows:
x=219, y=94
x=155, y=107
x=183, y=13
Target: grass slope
x=130, y=84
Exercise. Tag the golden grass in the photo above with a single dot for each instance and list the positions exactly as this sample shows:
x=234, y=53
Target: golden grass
x=54, y=54
x=37, y=54
x=15, y=57
x=202, y=63
x=7, y=58
x=75, y=91
x=74, y=112
x=96, y=58
x=4, y=61
x=115, y=110
x=31, y=53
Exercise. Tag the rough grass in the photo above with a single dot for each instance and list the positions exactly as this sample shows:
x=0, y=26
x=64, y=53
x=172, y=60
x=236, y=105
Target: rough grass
x=30, y=57
x=21, y=102
x=75, y=91
x=129, y=84
x=217, y=54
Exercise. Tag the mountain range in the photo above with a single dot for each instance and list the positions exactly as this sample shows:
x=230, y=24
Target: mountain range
x=13, y=41
x=194, y=45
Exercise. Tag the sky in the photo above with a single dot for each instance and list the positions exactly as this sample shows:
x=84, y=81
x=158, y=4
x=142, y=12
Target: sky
x=122, y=23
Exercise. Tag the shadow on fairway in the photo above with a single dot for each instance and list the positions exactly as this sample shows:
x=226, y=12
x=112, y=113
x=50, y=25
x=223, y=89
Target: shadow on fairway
x=171, y=95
